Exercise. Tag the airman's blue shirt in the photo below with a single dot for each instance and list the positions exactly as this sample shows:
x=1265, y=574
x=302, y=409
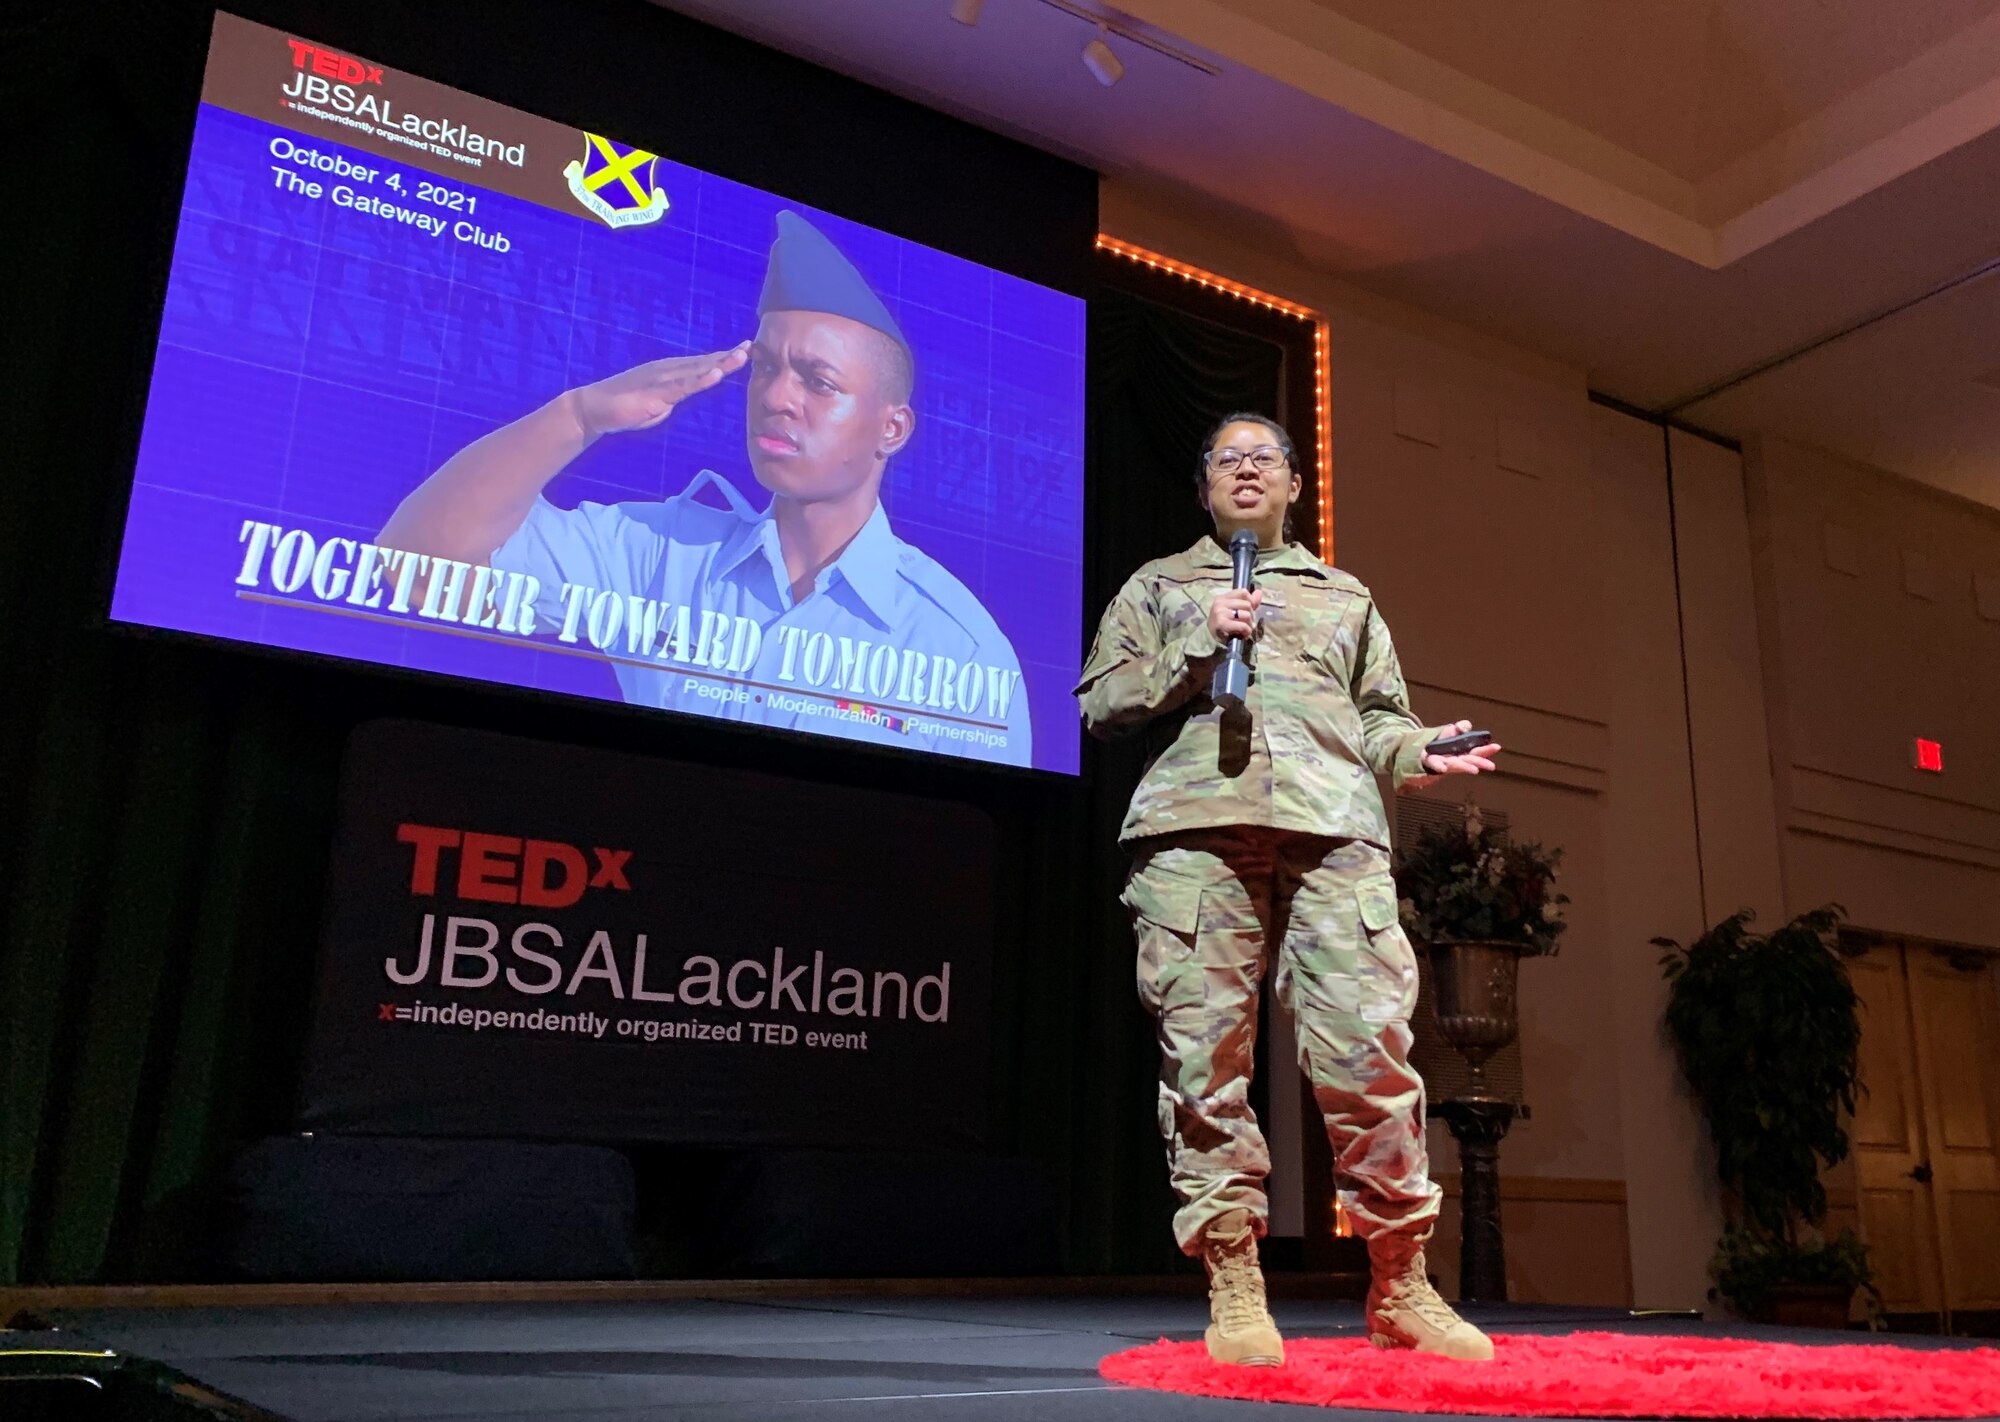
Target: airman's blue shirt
x=880, y=592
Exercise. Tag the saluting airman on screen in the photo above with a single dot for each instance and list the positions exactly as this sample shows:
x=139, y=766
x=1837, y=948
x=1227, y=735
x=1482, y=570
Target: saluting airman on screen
x=827, y=407
x=1258, y=836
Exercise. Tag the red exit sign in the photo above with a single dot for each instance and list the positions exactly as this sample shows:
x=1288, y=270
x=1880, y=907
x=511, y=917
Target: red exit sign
x=1930, y=756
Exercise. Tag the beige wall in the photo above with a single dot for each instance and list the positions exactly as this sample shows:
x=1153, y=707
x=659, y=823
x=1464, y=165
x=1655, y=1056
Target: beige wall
x=1871, y=591
x=1735, y=814
x=1650, y=633
x=1566, y=1240
x=1653, y=885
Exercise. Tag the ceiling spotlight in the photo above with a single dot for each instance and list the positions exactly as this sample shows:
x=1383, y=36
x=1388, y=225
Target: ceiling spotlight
x=1099, y=60
x=966, y=12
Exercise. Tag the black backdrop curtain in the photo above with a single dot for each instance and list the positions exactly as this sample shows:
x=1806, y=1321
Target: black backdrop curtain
x=166, y=806
x=1164, y=377
x=1159, y=378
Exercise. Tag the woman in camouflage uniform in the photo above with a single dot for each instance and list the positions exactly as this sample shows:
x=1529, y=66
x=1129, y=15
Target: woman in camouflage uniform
x=1258, y=835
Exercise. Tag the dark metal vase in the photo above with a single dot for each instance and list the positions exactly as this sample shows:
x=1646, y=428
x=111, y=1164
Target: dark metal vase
x=1474, y=990
x=1474, y=994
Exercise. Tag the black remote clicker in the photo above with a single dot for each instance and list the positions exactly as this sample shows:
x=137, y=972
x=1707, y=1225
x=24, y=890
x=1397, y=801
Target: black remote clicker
x=1459, y=745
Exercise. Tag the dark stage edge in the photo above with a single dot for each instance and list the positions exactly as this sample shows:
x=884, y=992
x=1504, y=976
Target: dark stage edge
x=946, y=1357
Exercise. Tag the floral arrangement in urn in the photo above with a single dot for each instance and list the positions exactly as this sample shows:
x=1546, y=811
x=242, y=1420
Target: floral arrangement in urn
x=1468, y=883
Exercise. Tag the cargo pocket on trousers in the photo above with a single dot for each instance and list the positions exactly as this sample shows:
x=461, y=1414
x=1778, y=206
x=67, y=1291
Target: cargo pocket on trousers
x=1389, y=970
x=1166, y=917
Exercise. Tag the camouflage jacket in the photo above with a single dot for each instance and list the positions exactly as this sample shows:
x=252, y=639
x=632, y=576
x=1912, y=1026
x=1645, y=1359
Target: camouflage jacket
x=1327, y=709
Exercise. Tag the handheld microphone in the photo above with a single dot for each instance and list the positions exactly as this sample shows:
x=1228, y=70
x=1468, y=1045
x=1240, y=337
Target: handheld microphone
x=1231, y=682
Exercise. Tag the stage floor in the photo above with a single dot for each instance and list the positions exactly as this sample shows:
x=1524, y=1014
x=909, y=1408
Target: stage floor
x=959, y=1358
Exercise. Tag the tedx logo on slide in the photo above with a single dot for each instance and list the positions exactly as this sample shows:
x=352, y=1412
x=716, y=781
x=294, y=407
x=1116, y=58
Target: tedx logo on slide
x=333, y=64
x=508, y=869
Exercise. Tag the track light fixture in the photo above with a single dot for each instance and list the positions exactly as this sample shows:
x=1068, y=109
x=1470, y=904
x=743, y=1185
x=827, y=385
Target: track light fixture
x=1132, y=34
x=966, y=12
x=1100, y=61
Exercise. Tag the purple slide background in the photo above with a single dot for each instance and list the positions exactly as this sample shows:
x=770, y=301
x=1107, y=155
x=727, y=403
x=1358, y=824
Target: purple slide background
x=316, y=363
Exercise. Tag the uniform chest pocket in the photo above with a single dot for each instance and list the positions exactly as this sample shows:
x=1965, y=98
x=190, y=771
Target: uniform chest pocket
x=1326, y=629
x=1184, y=606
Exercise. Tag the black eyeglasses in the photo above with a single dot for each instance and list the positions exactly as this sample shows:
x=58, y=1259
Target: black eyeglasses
x=1265, y=459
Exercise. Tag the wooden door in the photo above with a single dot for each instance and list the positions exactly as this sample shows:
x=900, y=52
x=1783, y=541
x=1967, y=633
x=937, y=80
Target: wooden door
x=1926, y=1143
x=1889, y=1142
x=1953, y=1008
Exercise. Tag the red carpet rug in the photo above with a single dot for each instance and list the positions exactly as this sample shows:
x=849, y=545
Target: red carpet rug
x=1596, y=1375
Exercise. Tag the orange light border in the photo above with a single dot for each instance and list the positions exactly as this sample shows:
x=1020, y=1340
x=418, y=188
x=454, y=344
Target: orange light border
x=1214, y=281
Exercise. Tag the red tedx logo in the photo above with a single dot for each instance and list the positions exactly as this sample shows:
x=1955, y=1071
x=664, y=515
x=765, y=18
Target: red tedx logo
x=504, y=869
x=333, y=64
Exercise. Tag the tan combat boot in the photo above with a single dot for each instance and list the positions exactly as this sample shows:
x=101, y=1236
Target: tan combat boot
x=1242, y=1331
x=1404, y=1311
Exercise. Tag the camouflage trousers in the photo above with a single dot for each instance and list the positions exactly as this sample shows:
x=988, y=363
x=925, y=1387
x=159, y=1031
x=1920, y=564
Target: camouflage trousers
x=1210, y=909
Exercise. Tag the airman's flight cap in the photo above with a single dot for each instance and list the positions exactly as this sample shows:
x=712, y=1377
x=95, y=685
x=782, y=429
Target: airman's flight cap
x=808, y=273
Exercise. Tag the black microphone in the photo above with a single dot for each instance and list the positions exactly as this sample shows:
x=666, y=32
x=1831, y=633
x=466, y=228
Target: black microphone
x=1232, y=679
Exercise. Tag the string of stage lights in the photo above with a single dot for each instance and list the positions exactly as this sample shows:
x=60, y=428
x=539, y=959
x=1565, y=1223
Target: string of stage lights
x=1322, y=423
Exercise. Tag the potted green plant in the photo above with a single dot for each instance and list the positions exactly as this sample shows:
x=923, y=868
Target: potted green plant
x=1768, y=1031
x=1478, y=903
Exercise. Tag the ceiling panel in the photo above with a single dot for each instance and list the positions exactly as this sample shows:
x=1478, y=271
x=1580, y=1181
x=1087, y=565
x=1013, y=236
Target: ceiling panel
x=1308, y=180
